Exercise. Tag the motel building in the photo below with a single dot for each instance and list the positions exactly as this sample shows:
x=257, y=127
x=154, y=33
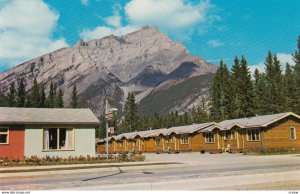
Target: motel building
x=41, y=132
x=265, y=132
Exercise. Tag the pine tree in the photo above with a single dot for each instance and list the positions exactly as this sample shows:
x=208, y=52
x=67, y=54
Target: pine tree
x=289, y=89
x=296, y=58
x=185, y=119
x=260, y=90
x=27, y=101
x=274, y=81
x=246, y=90
x=279, y=99
x=34, y=96
x=228, y=100
x=11, y=96
x=74, y=98
x=3, y=100
x=60, y=101
x=220, y=94
x=42, y=96
x=215, y=104
x=101, y=131
x=51, y=97
x=200, y=115
x=269, y=72
x=21, y=94
x=236, y=85
x=55, y=96
x=130, y=113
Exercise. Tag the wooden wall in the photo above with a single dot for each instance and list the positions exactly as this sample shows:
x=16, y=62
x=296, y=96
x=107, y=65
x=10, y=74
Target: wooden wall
x=276, y=136
x=184, y=147
x=217, y=145
x=197, y=141
x=169, y=143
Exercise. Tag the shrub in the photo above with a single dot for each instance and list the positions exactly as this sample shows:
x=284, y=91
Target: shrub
x=138, y=157
x=122, y=157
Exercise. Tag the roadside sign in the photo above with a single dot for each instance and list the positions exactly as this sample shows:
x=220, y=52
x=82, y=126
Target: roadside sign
x=111, y=130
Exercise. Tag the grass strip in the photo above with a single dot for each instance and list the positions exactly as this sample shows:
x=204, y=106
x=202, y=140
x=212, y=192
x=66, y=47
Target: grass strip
x=85, y=167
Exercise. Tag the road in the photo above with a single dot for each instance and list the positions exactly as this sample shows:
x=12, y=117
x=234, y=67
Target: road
x=196, y=172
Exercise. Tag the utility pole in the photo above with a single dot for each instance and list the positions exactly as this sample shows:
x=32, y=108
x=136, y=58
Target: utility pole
x=108, y=116
x=106, y=113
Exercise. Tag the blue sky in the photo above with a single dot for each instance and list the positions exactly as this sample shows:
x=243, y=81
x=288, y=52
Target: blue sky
x=213, y=30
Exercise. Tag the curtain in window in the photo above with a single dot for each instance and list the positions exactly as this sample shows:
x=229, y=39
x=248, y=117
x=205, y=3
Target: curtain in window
x=69, y=139
x=46, y=139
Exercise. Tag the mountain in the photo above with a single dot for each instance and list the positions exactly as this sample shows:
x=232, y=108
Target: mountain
x=147, y=62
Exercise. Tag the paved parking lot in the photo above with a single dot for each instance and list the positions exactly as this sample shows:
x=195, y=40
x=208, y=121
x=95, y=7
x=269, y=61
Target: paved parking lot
x=221, y=160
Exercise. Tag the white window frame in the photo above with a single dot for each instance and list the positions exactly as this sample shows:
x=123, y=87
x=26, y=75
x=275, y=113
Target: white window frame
x=295, y=135
x=7, y=135
x=253, y=131
x=182, y=140
x=59, y=149
x=212, y=138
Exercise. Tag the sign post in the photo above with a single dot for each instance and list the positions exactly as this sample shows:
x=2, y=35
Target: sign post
x=108, y=117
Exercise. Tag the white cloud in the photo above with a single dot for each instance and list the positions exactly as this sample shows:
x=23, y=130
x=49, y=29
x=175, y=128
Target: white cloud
x=169, y=14
x=114, y=20
x=103, y=31
x=285, y=58
x=215, y=43
x=177, y=17
x=260, y=67
x=25, y=31
x=282, y=57
x=84, y=2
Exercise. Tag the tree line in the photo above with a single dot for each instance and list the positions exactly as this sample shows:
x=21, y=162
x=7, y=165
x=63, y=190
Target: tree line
x=36, y=96
x=235, y=94
x=131, y=120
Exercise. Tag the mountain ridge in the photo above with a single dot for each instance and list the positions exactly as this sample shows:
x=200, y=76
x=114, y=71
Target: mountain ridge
x=110, y=67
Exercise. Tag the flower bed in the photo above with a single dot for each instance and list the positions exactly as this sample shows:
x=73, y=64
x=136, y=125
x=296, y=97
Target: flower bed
x=101, y=158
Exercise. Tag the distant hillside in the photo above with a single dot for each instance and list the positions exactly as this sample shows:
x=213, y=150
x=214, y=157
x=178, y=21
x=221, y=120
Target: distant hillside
x=179, y=96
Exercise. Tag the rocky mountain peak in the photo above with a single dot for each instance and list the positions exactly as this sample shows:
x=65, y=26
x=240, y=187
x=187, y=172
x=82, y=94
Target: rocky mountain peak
x=111, y=66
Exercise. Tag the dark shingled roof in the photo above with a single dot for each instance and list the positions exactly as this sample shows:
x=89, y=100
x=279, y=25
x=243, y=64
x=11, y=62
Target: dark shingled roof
x=9, y=115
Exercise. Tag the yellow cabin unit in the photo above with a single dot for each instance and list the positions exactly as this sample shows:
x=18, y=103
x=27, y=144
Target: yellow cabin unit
x=266, y=132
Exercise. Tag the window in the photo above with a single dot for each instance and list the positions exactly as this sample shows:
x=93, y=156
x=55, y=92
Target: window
x=292, y=133
x=184, y=140
x=209, y=138
x=121, y=143
x=172, y=139
x=3, y=135
x=226, y=134
x=58, y=139
x=233, y=135
x=157, y=142
x=253, y=135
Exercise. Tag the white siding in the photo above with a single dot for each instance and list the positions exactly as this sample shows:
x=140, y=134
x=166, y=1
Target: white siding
x=84, y=143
